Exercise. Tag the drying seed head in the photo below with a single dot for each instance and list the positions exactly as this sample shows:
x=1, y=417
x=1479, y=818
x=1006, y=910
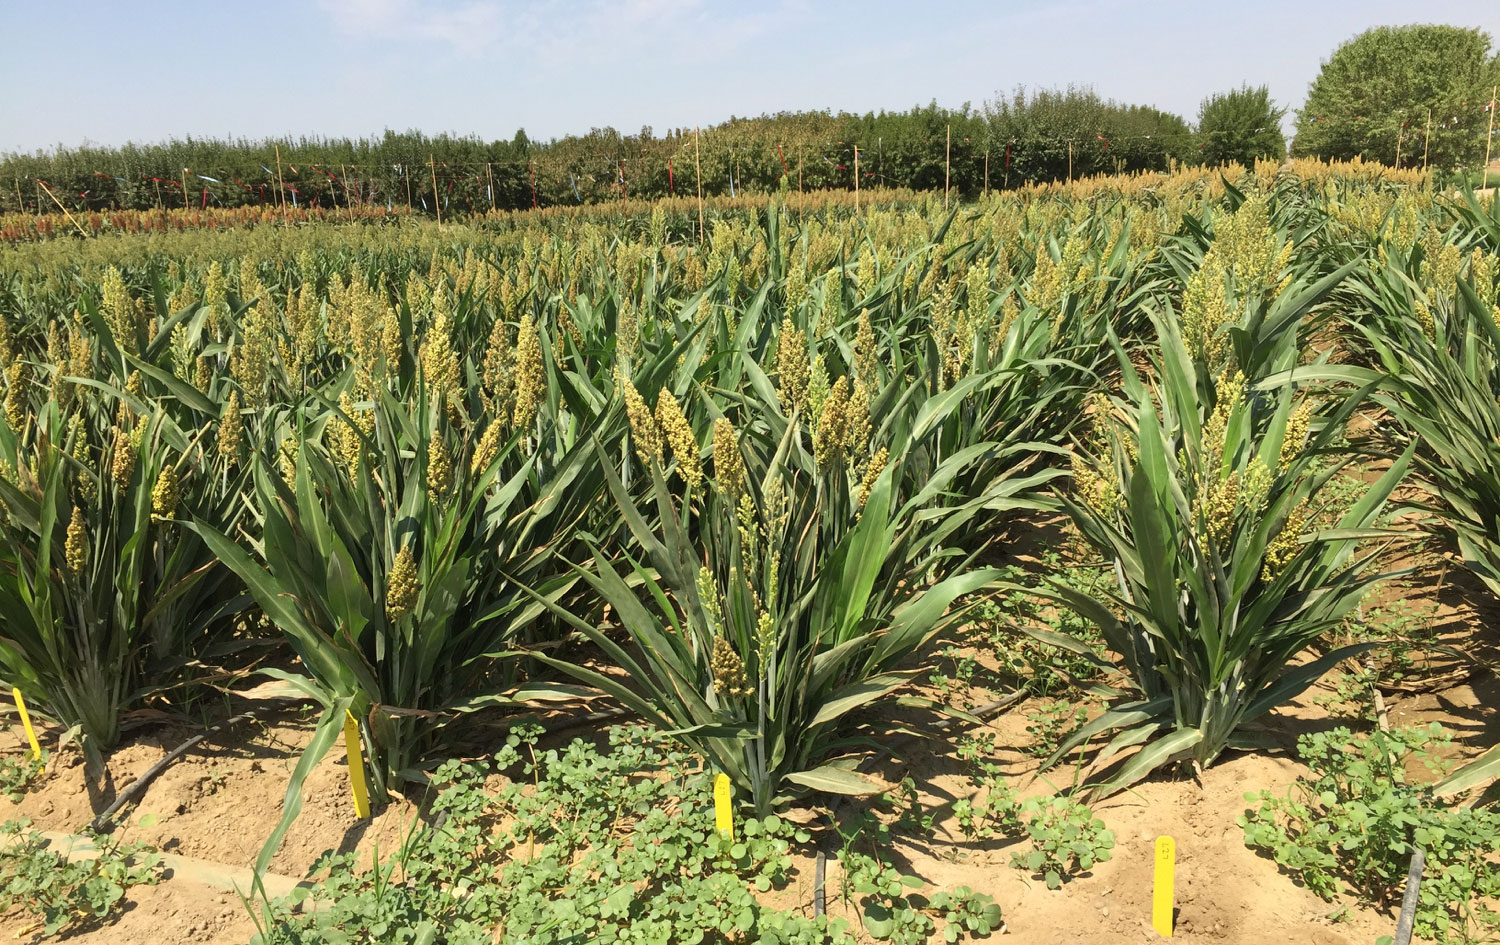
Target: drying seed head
x=231, y=431
x=166, y=493
x=643, y=428
x=530, y=372
x=729, y=465
x=439, y=467
x=488, y=449
x=679, y=435
x=401, y=591
x=728, y=670
x=75, y=548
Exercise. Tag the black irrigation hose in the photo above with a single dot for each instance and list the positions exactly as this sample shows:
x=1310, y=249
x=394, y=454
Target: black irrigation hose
x=1409, y=901
x=988, y=710
x=578, y=720
x=104, y=823
x=820, y=898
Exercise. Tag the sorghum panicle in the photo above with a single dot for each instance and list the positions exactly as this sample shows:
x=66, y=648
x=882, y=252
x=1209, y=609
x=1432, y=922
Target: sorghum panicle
x=678, y=434
x=643, y=429
x=75, y=548
x=439, y=467
x=402, y=585
x=729, y=465
x=231, y=431
x=728, y=670
x=166, y=493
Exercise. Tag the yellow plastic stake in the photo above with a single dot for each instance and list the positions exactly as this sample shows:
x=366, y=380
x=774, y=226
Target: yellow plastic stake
x=356, y=766
x=36, y=749
x=1166, y=875
x=723, y=818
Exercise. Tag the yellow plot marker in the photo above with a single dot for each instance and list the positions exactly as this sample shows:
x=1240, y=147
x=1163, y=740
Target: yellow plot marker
x=36, y=749
x=1161, y=899
x=723, y=818
x=356, y=766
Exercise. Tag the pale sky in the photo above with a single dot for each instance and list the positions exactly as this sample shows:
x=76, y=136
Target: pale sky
x=108, y=72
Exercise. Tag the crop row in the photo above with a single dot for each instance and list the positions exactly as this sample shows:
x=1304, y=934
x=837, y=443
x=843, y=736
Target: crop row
x=736, y=484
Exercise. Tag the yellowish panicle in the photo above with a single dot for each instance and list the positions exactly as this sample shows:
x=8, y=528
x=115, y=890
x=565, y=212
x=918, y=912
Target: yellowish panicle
x=866, y=362
x=1287, y=543
x=122, y=460
x=439, y=468
x=1296, y=435
x=530, y=373
x=791, y=366
x=643, y=429
x=729, y=465
x=166, y=493
x=728, y=670
x=402, y=585
x=231, y=431
x=15, y=395
x=76, y=547
x=872, y=474
x=678, y=434
x=833, y=426
x=488, y=448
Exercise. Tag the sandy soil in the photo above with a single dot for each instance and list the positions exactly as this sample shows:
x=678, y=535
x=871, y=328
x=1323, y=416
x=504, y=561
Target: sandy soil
x=220, y=800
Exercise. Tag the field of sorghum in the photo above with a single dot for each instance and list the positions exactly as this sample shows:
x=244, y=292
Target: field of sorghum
x=739, y=485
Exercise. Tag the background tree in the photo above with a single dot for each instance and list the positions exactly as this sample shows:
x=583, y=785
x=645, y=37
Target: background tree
x=1107, y=137
x=906, y=149
x=1242, y=125
x=1377, y=88
x=813, y=150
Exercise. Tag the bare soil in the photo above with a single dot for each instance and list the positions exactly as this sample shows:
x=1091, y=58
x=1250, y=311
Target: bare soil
x=221, y=799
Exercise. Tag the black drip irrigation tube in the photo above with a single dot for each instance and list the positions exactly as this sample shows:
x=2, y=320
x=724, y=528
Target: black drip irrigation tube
x=104, y=822
x=1408, y=914
x=576, y=721
x=820, y=898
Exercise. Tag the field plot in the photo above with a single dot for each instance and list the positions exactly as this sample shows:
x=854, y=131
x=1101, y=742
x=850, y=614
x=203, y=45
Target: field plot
x=969, y=550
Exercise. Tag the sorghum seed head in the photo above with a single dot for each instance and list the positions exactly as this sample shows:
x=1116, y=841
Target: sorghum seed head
x=166, y=493
x=728, y=670
x=75, y=549
x=679, y=435
x=402, y=586
x=729, y=465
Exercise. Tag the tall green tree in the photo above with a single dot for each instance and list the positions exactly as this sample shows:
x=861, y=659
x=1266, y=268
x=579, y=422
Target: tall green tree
x=1242, y=125
x=1375, y=92
x=1055, y=133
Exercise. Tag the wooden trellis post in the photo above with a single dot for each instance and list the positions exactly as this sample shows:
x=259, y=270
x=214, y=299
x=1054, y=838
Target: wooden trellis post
x=1426, y=137
x=1489, y=136
x=856, y=178
x=698, y=169
x=280, y=185
x=947, y=166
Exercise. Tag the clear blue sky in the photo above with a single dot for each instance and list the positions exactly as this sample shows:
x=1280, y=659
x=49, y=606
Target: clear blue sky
x=107, y=72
